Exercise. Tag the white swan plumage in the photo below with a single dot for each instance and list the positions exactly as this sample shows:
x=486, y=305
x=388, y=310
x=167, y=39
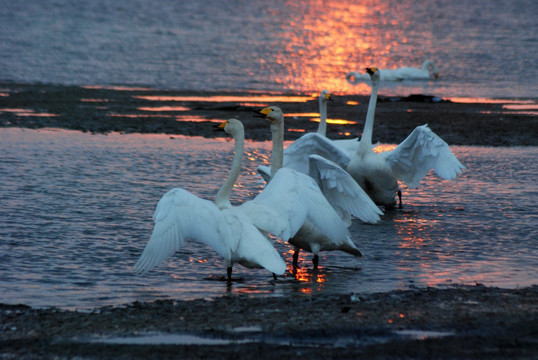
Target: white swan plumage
x=427, y=71
x=348, y=145
x=340, y=197
x=378, y=173
x=231, y=232
x=421, y=151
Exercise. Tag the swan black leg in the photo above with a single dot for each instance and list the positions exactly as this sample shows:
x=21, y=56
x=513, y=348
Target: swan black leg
x=315, y=261
x=400, y=197
x=274, y=276
x=229, y=271
x=296, y=258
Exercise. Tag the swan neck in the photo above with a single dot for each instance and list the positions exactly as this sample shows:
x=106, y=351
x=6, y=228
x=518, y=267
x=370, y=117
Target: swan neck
x=277, y=154
x=223, y=196
x=366, y=139
x=322, y=127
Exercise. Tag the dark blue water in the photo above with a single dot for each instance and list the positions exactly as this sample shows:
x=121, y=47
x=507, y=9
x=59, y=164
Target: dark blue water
x=76, y=214
x=483, y=48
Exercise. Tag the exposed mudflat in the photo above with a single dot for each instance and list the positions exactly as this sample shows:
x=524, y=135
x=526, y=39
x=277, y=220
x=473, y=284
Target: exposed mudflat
x=101, y=110
x=471, y=322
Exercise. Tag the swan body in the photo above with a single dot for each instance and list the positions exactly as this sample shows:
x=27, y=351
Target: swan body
x=231, y=232
x=378, y=173
x=339, y=199
x=425, y=72
x=410, y=161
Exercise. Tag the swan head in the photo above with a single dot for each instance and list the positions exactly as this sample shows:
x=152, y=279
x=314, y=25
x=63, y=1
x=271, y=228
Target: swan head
x=325, y=96
x=273, y=114
x=233, y=127
x=374, y=74
x=428, y=65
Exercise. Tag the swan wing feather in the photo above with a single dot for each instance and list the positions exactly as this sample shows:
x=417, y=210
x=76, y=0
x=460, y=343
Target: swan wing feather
x=181, y=215
x=342, y=191
x=296, y=155
x=420, y=152
x=254, y=249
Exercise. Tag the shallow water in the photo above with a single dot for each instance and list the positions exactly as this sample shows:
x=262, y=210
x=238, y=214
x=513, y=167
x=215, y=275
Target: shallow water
x=76, y=214
x=483, y=48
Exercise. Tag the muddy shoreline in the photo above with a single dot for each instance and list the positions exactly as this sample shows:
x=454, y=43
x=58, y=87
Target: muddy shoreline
x=472, y=322
x=103, y=110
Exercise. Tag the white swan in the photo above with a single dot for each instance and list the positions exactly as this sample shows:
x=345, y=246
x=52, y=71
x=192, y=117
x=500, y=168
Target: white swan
x=181, y=215
x=378, y=173
x=339, y=189
x=293, y=158
x=426, y=72
x=348, y=145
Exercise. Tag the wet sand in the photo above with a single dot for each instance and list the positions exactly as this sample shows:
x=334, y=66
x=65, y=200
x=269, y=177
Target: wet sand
x=471, y=322
x=460, y=322
x=99, y=110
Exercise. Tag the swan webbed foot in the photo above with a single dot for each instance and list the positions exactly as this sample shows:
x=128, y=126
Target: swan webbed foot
x=315, y=261
x=400, y=198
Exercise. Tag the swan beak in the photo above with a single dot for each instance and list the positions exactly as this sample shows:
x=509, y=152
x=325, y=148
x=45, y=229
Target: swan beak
x=328, y=97
x=436, y=76
x=264, y=112
x=371, y=70
x=220, y=127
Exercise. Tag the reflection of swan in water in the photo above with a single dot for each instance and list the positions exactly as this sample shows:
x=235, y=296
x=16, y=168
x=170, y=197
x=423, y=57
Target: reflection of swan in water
x=339, y=191
x=181, y=215
x=426, y=72
x=378, y=173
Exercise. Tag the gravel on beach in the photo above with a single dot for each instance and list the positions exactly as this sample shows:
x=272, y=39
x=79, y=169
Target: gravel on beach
x=462, y=322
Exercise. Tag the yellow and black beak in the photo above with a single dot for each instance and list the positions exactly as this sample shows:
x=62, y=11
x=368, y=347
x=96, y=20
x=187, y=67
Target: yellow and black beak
x=221, y=126
x=264, y=112
x=371, y=70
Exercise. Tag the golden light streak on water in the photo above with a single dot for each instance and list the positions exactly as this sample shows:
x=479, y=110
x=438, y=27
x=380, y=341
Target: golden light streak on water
x=164, y=108
x=384, y=147
x=228, y=98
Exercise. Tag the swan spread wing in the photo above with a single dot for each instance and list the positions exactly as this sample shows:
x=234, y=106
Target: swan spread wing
x=296, y=155
x=349, y=146
x=181, y=215
x=342, y=191
x=254, y=249
x=297, y=198
x=422, y=151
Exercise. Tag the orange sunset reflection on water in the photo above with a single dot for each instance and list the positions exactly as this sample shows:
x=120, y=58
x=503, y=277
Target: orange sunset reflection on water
x=327, y=39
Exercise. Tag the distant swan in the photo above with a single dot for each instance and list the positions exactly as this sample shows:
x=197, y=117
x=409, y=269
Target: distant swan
x=426, y=72
x=346, y=197
x=181, y=215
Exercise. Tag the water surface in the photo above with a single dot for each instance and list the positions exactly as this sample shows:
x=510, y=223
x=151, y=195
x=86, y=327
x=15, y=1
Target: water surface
x=483, y=48
x=76, y=214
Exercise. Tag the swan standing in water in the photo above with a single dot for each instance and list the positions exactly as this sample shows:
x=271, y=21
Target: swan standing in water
x=231, y=232
x=339, y=191
x=318, y=140
x=426, y=72
x=410, y=162
x=378, y=173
